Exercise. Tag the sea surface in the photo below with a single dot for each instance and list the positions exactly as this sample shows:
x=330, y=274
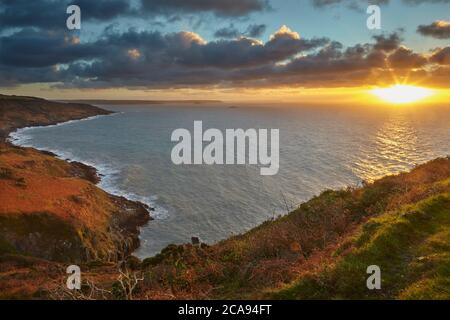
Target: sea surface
x=320, y=148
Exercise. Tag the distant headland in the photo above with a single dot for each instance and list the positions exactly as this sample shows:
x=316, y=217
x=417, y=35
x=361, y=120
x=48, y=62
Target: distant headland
x=142, y=102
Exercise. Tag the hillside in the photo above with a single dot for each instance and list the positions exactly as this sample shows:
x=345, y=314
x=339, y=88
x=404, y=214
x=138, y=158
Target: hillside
x=51, y=209
x=17, y=112
x=321, y=250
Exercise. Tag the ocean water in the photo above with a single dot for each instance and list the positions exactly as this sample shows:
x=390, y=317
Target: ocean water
x=320, y=148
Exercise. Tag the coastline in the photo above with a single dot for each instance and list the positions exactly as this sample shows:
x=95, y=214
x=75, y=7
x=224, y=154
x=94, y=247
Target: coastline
x=17, y=131
x=129, y=215
x=90, y=172
x=13, y=138
x=103, y=173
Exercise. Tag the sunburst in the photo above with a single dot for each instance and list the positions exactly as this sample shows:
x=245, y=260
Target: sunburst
x=401, y=94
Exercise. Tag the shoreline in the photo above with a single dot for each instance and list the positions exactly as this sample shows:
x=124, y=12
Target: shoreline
x=93, y=174
x=103, y=171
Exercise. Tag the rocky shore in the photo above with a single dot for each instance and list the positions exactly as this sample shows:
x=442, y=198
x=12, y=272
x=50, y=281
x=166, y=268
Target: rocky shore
x=51, y=209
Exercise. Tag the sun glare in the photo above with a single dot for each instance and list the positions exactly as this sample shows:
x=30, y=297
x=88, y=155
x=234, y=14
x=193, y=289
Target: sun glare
x=402, y=94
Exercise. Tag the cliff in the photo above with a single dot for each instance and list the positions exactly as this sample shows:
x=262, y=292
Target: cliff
x=51, y=209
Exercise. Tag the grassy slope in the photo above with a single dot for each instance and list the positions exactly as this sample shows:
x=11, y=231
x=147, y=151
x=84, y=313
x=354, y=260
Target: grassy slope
x=410, y=245
x=322, y=249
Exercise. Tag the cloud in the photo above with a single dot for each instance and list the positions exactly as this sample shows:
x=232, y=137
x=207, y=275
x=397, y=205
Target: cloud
x=441, y=56
x=416, y=2
x=187, y=51
x=285, y=33
x=438, y=29
x=354, y=4
x=32, y=48
x=50, y=14
x=255, y=30
x=230, y=32
x=152, y=59
x=223, y=8
x=404, y=58
x=357, y=3
x=387, y=43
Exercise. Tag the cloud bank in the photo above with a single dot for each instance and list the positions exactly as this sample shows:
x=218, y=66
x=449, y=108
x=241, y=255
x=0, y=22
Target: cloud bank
x=34, y=51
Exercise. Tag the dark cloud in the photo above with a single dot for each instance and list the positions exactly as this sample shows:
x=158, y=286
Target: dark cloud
x=359, y=3
x=438, y=30
x=144, y=59
x=354, y=4
x=231, y=32
x=224, y=8
x=32, y=48
x=441, y=56
x=416, y=2
x=255, y=30
x=244, y=52
x=14, y=76
x=50, y=14
x=404, y=58
x=185, y=58
x=387, y=43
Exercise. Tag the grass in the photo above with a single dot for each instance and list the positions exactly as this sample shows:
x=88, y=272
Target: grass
x=410, y=245
x=40, y=234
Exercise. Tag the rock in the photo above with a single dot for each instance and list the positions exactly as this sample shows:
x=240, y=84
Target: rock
x=195, y=241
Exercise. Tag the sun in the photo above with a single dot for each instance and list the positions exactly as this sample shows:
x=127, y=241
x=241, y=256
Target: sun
x=400, y=94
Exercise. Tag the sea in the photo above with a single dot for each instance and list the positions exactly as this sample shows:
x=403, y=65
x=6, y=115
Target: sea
x=321, y=147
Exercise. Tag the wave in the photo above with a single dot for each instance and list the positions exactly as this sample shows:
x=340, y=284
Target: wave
x=107, y=173
x=19, y=136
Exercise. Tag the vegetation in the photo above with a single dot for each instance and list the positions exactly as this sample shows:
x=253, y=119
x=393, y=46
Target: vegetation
x=410, y=245
x=322, y=249
x=51, y=212
x=18, y=111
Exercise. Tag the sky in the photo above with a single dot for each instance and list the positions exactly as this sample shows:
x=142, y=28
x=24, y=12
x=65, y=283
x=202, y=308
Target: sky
x=293, y=50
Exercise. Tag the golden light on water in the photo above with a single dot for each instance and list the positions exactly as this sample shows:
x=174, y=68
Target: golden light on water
x=400, y=94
